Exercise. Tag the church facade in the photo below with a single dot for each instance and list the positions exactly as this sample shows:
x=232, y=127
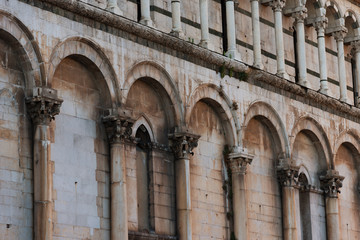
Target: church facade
x=169, y=119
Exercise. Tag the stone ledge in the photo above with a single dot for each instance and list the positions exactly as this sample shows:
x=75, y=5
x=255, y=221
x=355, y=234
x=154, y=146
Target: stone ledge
x=149, y=236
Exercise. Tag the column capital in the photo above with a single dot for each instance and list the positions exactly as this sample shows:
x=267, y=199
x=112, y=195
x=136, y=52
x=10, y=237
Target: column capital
x=320, y=25
x=238, y=162
x=287, y=172
x=277, y=5
x=339, y=35
x=118, y=128
x=300, y=15
x=288, y=176
x=331, y=182
x=182, y=143
x=44, y=105
x=355, y=45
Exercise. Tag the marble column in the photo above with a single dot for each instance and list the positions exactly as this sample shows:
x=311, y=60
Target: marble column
x=112, y=6
x=42, y=108
x=300, y=46
x=231, y=30
x=356, y=55
x=287, y=175
x=145, y=13
x=255, y=20
x=204, y=23
x=118, y=130
x=331, y=183
x=182, y=145
x=339, y=37
x=320, y=26
x=277, y=6
x=238, y=163
x=176, y=19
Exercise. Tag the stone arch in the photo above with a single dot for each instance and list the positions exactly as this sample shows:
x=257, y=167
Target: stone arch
x=161, y=78
x=350, y=139
x=18, y=35
x=268, y=116
x=352, y=25
x=87, y=52
x=216, y=98
x=334, y=14
x=316, y=133
x=143, y=120
x=303, y=169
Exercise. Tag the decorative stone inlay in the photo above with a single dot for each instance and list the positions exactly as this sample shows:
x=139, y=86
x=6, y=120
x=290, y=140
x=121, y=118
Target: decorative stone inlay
x=183, y=143
x=277, y=5
x=238, y=162
x=44, y=105
x=331, y=183
x=118, y=128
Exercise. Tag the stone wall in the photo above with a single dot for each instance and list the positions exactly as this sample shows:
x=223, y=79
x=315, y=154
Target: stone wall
x=165, y=84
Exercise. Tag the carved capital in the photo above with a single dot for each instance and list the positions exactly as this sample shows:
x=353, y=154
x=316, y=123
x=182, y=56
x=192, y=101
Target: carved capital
x=118, y=128
x=355, y=45
x=288, y=176
x=331, y=182
x=277, y=5
x=43, y=106
x=238, y=162
x=300, y=15
x=339, y=35
x=183, y=143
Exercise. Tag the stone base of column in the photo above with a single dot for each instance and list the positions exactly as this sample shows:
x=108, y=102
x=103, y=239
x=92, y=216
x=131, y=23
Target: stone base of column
x=177, y=33
x=343, y=99
x=258, y=65
x=204, y=43
x=147, y=22
x=304, y=83
x=233, y=54
x=323, y=90
x=283, y=75
x=114, y=9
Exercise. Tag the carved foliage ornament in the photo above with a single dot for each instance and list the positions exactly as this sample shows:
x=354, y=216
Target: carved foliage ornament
x=238, y=162
x=118, y=128
x=277, y=5
x=182, y=144
x=331, y=183
x=43, y=110
x=288, y=176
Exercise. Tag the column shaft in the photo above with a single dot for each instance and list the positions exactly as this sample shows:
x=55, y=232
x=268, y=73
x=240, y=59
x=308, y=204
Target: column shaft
x=277, y=6
x=357, y=79
x=204, y=22
x=332, y=218
x=119, y=222
x=339, y=37
x=256, y=34
x=183, y=199
x=239, y=205
x=230, y=30
x=320, y=28
x=42, y=183
x=145, y=13
x=176, y=18
x=300, y=47
x=289, y=213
